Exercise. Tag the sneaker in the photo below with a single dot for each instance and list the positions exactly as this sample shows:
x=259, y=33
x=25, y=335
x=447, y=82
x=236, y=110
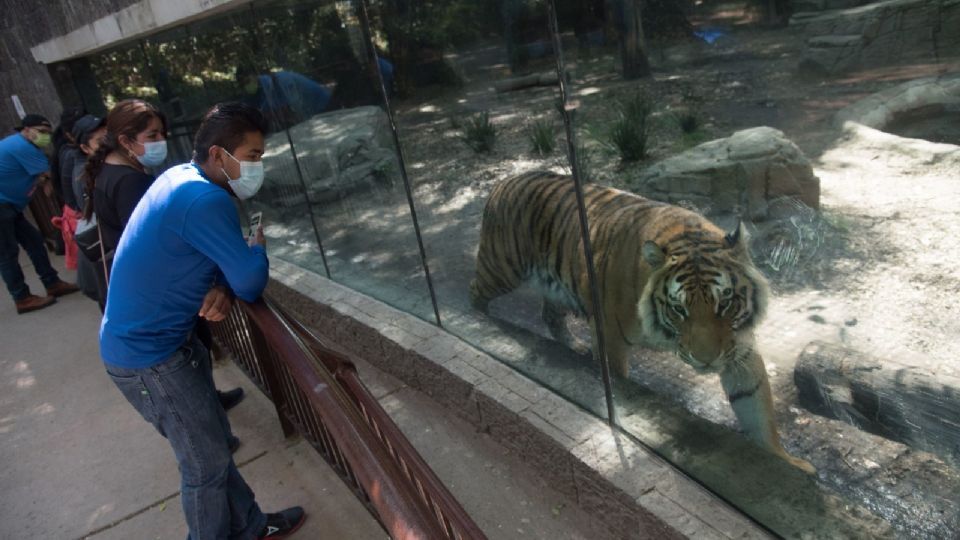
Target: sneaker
x=61, y=288
x=282, y=524
x=32, y=302
x=230, y=398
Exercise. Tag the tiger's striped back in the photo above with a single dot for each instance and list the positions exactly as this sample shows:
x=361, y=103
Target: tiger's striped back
x=531, y=231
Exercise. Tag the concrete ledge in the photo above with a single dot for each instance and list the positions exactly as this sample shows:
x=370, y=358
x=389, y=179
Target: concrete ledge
x=138, y=20
x=619, y=482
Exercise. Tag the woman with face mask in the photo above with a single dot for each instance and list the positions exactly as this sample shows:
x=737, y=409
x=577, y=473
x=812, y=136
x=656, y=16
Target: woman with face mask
x=116, y=174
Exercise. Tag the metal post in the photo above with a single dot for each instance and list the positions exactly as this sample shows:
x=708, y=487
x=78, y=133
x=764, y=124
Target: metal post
x=372, y=56
x=303, y=183
x=306, y=194
x=567, y=111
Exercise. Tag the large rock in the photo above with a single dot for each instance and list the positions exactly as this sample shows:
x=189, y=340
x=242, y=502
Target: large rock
x=878, y=34
x=337, y=154
x=756, y=173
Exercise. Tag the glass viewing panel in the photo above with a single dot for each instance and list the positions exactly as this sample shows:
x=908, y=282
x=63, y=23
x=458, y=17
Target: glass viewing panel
x=789, y=253
x=318, y=83
x=475, y=99
x=332, y=173
x=784, y=330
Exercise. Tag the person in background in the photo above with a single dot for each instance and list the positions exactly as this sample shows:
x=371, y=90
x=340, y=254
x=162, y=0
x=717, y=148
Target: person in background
x=23, y=166
x=183, y=256
x=65, y=155
x=287, y=96
x=116, y=173
x=87, y=133
x=64, y=150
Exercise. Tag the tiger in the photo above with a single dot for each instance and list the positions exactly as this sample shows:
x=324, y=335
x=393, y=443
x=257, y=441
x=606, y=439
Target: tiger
x=667, y=277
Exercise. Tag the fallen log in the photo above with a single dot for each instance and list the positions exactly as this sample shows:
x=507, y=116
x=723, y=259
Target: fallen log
x=900, y=403
x=526, y=81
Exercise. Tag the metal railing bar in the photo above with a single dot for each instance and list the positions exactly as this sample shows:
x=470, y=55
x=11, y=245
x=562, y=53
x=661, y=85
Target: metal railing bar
x=398, y=447
x=396, y=504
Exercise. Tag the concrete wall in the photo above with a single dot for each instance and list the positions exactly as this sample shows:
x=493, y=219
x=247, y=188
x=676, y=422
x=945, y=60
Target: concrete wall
x=24, y=25
x=51, y=31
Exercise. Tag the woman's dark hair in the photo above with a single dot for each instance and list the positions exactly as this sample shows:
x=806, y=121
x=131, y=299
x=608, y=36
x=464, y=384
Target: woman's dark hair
x=225, y=125
x=129, y=117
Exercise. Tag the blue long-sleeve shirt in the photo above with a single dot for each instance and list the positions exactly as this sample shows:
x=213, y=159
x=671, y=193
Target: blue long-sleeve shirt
x=20, y=162
x=183, y=237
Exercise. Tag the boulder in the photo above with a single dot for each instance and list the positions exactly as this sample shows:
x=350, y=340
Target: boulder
x=750, y=174
x=337, y=154
x=878, y=34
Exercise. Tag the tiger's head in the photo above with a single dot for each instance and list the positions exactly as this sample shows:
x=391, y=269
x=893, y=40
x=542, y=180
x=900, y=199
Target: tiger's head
x=703, y=297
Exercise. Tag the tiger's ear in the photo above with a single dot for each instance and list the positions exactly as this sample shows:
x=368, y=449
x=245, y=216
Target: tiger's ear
x=653, y=254
x=737, y=238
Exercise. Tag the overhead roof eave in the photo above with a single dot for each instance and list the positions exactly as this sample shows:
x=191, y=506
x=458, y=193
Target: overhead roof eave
x=138, y=20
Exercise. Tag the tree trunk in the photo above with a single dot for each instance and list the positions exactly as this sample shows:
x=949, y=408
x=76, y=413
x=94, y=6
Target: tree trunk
x=395, y=19
x=626, y=15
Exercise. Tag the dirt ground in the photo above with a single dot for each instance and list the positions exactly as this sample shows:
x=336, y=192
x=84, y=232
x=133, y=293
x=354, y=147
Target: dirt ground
x=877, y=275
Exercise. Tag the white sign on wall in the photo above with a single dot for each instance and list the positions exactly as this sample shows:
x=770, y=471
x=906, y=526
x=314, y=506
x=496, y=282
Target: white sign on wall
x=18, y=106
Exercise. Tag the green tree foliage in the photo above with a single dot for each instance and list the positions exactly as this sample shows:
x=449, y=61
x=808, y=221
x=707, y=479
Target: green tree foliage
x=195, y=64
x=416, y=34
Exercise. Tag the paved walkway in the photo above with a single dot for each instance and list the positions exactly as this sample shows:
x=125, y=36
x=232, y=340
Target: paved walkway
x=76, y=461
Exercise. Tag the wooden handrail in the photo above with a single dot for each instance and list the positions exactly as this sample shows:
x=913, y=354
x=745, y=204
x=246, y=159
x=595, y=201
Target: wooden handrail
x=442, y=502
x=317, y=392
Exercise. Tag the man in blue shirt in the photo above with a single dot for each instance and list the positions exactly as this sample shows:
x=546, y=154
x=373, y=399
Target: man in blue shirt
x=285, y=95
x=182, y=256
x=23, y=166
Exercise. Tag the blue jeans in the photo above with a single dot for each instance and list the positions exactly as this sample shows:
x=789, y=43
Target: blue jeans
x=14, y=230
x=177, y=396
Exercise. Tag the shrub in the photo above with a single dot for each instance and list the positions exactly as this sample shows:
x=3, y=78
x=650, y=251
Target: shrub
x=479, y=133
x=542, y=138
x=630, y=130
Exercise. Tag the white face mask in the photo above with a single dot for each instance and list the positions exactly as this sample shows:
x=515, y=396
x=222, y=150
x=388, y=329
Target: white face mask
x=154, y=153
x=251, y=178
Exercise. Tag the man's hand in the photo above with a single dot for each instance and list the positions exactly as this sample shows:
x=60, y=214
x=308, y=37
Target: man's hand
x=257, y=239
x=216, y=304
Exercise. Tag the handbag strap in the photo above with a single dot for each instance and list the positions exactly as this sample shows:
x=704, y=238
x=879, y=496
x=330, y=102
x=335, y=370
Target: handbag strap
x=103, y=256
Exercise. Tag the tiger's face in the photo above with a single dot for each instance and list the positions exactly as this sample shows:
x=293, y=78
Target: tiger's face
x=702, y=301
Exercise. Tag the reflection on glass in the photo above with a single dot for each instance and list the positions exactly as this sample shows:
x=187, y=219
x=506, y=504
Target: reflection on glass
x=765, y=201
x=318, y=86
x=726, y=244
x=475, y=98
